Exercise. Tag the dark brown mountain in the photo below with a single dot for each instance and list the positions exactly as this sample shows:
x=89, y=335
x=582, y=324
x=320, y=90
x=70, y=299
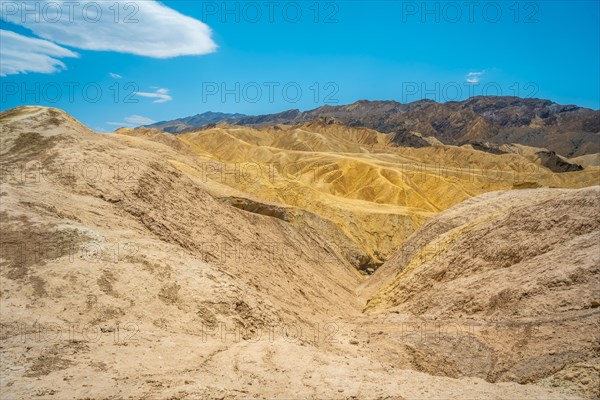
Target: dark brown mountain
x=568, y=130
x=195, y=121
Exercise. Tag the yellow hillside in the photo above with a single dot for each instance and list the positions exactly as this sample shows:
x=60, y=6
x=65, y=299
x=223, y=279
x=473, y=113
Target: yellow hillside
x=376, y=193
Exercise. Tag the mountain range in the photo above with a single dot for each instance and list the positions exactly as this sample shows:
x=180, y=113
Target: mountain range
x=487, y=122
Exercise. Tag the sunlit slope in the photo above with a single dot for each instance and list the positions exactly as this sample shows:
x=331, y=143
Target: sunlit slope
x=520, y=258
x=504, y=240
x=376, y=193
x=97, y=190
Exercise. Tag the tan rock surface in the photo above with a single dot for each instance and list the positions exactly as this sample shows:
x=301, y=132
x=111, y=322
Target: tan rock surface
x=126, y=272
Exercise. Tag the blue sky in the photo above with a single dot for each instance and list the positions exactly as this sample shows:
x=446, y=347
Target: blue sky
x=153, y=61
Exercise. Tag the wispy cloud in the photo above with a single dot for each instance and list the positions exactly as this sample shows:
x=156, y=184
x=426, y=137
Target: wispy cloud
x=151, y=29
x=22, y=54
x=139, y=120
x=161, y=95
x=114, y=76
x=121, y=124
x=474, y=77
x=133, y=121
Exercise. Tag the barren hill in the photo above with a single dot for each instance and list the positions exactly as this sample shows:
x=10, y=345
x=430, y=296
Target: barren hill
x=527, y=261
x=225, y=262
x=375, y=192
x=568, y=130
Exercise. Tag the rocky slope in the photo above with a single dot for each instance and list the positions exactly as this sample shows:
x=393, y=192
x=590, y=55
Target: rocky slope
x=131, y=267
x=375, y=192
x=528, y=261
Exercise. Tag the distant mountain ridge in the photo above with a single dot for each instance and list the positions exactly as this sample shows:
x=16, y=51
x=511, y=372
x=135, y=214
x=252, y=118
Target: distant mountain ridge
x=484, y=121
x=195, y=121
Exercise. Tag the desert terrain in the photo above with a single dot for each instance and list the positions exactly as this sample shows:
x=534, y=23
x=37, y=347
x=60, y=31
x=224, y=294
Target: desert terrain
x=299, y=259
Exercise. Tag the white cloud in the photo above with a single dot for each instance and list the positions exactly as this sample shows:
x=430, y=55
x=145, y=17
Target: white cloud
x=22, y=54
x=114, y=76
x=143, y=27
x=161, y=95
x=474, y=77
x=133, y=121
x=139, y=120
x=121, y=124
